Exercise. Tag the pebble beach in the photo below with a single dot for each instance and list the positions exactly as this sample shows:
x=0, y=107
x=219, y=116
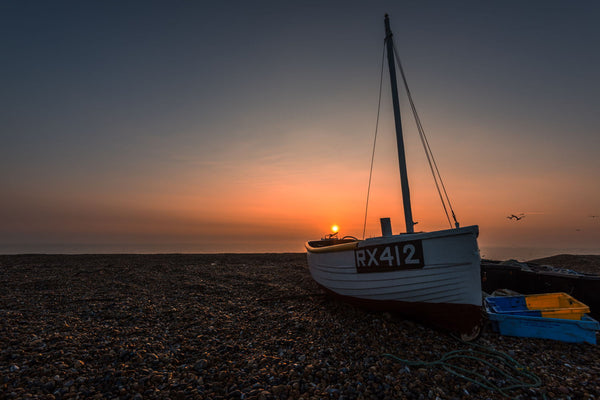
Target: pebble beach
x=240, y=326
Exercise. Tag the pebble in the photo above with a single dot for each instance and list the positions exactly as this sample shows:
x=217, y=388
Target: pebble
x=232, y=326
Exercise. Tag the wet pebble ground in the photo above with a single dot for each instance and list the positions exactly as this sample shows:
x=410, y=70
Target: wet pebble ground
x=235, y=327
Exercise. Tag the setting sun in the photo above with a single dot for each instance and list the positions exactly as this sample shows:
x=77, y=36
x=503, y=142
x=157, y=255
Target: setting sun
x=335, y=228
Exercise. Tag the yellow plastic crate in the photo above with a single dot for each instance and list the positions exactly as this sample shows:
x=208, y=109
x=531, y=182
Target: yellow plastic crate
x=557, y=305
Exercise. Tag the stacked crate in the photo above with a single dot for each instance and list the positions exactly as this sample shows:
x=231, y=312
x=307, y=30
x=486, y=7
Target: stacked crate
x=555, y=316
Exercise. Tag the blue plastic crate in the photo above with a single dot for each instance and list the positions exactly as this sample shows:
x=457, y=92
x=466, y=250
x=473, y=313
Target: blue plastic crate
x=549, y=305
x=565, y=330
x=511, y=305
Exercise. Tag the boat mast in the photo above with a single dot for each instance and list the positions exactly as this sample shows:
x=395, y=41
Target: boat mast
x=398, y=119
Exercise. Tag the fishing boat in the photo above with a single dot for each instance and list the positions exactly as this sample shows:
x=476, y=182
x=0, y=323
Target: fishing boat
x=532, y=278
x=433, y=277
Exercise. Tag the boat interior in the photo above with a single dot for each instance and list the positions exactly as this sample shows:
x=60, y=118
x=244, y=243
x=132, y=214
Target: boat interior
x=331, y=242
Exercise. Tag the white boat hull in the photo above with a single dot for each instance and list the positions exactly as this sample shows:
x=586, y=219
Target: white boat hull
x=432, y=276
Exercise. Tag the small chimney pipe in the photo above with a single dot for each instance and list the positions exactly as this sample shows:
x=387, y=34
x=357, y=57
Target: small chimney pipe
x=386, y=227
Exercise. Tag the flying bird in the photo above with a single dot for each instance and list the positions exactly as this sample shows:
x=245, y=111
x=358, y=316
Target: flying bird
x=516, y=217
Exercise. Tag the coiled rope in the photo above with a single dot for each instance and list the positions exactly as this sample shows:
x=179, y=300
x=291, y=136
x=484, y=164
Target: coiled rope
x=513, y=375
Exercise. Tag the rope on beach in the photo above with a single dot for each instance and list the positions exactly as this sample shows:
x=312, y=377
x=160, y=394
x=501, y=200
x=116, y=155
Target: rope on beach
x=518, y=377
x=292, y=297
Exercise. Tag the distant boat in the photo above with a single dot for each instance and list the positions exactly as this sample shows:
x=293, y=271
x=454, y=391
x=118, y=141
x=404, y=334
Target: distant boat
x=429, y=276
x=530, y=278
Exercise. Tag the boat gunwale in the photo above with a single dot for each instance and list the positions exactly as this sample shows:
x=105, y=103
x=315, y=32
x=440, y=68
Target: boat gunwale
x=332, y=248
x=404, y=237
x=472, y=229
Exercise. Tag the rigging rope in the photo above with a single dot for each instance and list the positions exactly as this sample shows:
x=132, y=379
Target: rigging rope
x=435, y=172
x=374, y=142
x=430, y=158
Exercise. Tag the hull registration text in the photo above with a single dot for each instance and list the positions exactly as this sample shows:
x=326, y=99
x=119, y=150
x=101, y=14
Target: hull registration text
x=389, y=257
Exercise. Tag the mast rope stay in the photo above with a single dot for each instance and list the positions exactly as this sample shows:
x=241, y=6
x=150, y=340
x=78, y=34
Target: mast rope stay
x=430, y=158
x=374, y=142
x=437, y=177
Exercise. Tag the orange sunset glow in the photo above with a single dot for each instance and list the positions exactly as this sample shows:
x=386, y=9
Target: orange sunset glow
x=234, y=130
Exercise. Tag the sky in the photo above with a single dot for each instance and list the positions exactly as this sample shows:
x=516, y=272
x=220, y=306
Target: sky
x=192, y=126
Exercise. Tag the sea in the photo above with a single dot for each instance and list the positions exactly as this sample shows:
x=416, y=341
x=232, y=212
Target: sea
x=487, y=252
x=531, y=253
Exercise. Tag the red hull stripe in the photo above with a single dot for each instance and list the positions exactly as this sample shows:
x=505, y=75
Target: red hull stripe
x=461, y=318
